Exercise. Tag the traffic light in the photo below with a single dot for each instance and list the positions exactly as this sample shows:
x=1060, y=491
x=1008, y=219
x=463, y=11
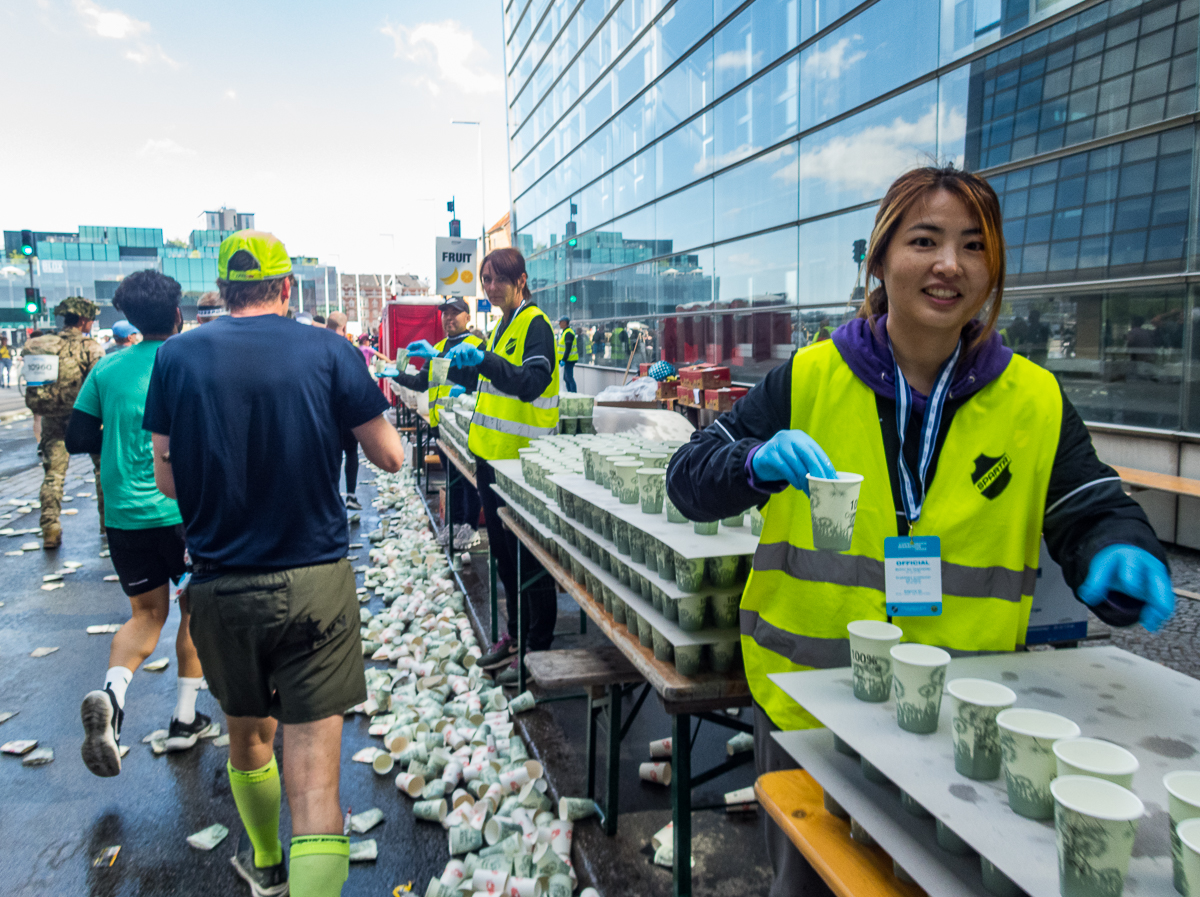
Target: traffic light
x=574, y=298
x=455, y=227
x=572, y=242
x=450, y=207
x=27, y=243
x=33, y=302
x=860, y=251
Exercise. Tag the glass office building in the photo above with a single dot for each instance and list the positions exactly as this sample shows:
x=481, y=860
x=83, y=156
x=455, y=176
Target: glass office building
x=689, y=177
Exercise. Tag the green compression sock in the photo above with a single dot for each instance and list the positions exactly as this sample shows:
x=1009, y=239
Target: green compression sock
x=320, y=865
x=256, y=794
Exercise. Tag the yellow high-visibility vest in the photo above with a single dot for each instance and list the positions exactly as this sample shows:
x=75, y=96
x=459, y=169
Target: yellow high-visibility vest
x=985, y=502
x=439, y=396
x=561, y=342
x=503, y=423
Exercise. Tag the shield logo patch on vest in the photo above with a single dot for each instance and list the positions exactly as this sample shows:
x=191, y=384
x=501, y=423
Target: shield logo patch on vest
x=510, y=346
x=992, y=475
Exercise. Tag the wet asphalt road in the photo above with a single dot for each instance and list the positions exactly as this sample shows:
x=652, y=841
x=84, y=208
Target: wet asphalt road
x=18, y=449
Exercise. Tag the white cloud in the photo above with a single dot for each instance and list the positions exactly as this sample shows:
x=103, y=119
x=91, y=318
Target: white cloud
x=831, y=62
x=450, y=54
x=231, y=94
x=109, y=22
x=735, y=59
x=870, y=159
x=165, y=148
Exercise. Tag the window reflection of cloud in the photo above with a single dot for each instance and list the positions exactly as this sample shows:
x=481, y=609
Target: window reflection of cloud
x=830, y=63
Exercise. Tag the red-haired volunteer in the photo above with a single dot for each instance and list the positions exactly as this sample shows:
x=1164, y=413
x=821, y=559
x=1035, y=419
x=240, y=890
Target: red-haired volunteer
x=955, y=437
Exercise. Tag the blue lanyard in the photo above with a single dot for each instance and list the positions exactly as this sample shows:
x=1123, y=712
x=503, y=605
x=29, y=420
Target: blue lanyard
x=909, y=495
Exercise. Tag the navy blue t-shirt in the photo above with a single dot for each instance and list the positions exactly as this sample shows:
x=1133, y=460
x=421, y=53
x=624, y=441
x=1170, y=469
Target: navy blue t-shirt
x=255, y=408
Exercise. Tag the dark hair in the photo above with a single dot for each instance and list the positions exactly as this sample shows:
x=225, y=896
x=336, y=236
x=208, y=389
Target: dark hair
x=908, y=189
x=149, y=300
x=318, y=319
x=507, y=264
x=70, y=319
x=246, y=293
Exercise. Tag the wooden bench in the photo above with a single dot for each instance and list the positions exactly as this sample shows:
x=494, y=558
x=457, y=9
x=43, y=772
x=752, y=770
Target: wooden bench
x=592, y=669
x=796, y=804
x=1159, y=482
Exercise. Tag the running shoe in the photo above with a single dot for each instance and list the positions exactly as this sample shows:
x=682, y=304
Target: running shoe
x=102, y=717
x=463, y=535
x=271, y=881
x=500, y=655
x=508, y=676
x=353, y=503
x=182, y=736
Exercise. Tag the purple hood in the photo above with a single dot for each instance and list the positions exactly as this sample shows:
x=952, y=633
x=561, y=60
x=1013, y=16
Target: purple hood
x=867, y=352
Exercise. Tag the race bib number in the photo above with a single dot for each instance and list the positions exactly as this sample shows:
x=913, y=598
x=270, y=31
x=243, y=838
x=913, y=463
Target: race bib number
x=912, y=569
x=40, y=370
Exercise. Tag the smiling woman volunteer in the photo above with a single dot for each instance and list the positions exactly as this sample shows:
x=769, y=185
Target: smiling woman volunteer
x=955, y=437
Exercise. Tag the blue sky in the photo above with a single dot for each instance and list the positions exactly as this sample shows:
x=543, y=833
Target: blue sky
x=331, y=122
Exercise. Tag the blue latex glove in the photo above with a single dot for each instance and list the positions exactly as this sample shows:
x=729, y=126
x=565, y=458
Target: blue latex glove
x=791, y=455
x=1138, y=574
x=464, y=355
x=457, y=390
x=421, y=349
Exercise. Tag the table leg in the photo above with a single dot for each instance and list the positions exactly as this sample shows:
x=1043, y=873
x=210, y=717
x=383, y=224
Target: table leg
x=520, y=628
x=681, y=801
x=612, y=760
x=593, y=709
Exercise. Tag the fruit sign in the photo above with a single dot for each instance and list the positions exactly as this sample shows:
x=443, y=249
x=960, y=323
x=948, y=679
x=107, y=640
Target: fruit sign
x=457, y=259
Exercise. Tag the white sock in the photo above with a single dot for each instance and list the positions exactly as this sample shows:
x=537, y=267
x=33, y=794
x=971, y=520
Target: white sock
x=117, y=679
x=185, y=704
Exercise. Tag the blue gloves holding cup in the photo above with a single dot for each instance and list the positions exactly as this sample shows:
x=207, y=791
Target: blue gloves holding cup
x=791, y=455
x=464, y=355
x=421, y=349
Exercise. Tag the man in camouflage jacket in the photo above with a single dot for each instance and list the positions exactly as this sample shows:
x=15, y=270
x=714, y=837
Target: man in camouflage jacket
x=77, y=354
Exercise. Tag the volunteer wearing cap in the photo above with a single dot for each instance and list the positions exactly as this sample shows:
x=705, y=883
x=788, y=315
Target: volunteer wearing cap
x=567, y=346
x=955, y=437
x=124, y=336
x=517, y=402
x=72, y=353
x=456, y=318
x=246, y=415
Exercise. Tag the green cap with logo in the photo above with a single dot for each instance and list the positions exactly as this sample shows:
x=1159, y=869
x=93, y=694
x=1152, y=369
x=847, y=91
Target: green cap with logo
x=77, y=305
x=268, y=259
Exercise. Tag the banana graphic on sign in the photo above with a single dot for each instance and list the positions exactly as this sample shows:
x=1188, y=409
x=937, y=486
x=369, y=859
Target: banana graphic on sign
x=453, y=278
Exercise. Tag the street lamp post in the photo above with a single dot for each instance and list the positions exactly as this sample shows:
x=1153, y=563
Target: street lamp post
x=482, y=214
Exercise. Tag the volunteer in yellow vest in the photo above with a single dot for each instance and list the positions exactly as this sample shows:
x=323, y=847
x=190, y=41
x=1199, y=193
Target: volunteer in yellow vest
x=517, y=402
x=456, y=318
x=955, y=437
x=567, y=348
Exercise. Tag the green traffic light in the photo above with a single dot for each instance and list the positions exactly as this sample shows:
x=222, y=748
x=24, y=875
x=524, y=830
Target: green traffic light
x=31, y=308
x=26, y=250
x=574, y=299
x=572, y=242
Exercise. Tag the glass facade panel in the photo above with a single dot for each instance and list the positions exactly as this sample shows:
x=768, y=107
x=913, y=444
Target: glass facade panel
x=757, y=195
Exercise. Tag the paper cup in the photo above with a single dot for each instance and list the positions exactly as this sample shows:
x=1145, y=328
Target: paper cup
x=872, y=773
x=709, y=528
x=1183, y=801
x=666, y=560
x=382, y=764
x=1094, y=757
x=663, y=649
x=560, y=885
x=524, y=887
x=1027, y=746
x=658, y=773
x=692, y=611
x=652, y=486
x=1095, y=823
x=621, y=536
x=1188, y=835
x=660, y=748
x=651, y=560
x=976, y=704
x=438, y=369
x=645, y=632
x=995, y=881
x=430, y=810
x=833, y=807
x=674, y=515
x=912, y=807
x=637, y=545
x=688, y=659
x=725, y=610
x=410, y=784
x=689, y=573
x=464, y=839
x=918, y=677
x=834, y=504
x=725, y=655
x=654, y=459
x=723, y=571
x=625, y=486
x=951, y=842
x=489, y=881
x=522, y=702
x=756, y=522
x=576, y=808
x=870, y=660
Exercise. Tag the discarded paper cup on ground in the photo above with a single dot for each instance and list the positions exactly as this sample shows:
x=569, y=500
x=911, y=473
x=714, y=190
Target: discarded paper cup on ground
x=438, y=369
x=513, y=779
x=660, y=747
x=1094, y=757
x=498, y=828
x=464, y=839
x=1095, y=822
x=1188, y=835
x=411, y=785
x=560, y=885
x=576, y=808
x=1183, y=801
x=652, y=487
x=918, y=677
x=524, y=887
x=522, y=702
x=1026, y=743
x=723, y=571
x=870, y=660
x=834, y=504
x=658, y=773
x=430, y=810
x=975, y=705
x=489, y=881
x=383, y=763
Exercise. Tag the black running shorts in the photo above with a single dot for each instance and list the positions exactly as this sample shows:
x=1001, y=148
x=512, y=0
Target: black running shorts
x=146, y=558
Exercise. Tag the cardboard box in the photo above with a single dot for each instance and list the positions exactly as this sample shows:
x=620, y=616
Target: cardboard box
x=668, y=389
x=704, y=377
x=722, y=399
x=688, y=396
x=644, y=368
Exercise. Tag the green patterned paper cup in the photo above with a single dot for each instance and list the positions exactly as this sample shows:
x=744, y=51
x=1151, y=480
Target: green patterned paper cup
x=723, y=571
x=1188, y=836
x=654, y=459
x=669, y=608
x=724, y=655
x=621, y=535
x=692, y=611
x=688, y=659
x=645, y=632
x=637, y=545
x=689, y=573
x=438, y=369
x=1095, y=823
x=725, y=610
x=625, y=481
x=666, y=560
x=662, y=647
x=1027, y=746
x=674, y=515
x=919, y=675
x=1183, y=801
x=870, y=660
x=652, y=487
x=756, y=522
x=949, y=841
x=1095, y=757
x=734, y=521
x=618, y=609
x=706, y=529
x=976, y=704
x=834, y=504
x=995, y=881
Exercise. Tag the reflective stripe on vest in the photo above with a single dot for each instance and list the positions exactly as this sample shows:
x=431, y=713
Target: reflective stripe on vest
x=439, y=396
x=503, y=423
x=986, y=502
x=560, y=343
